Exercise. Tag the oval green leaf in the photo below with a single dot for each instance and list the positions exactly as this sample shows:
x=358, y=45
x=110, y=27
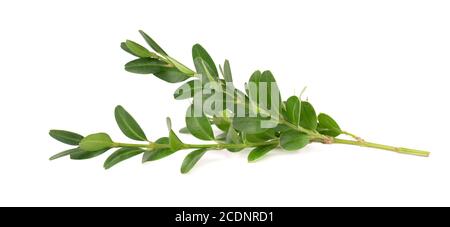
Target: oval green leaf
x=223, y=123
x=128, y=125
x=293, y=110
x=152, y=43
x=293, y=140
x=171, y=75
x=308, y=117
x=184, y=130
x=124, y=47
x=205, y=71
x=328, y=126
x=199, y=52
x=252, y=125
x=96, y=142
x=259, y=152
x=191, y=159
x=65, y=153
x=184, y=69
x=199, y=126
x=261, y=137
x=66, y=137
x=138, y=50
x=146, y=66
x=82, y=155
x=121, y=155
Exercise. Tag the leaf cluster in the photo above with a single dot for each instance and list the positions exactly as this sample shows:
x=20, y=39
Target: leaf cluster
x=266, y=123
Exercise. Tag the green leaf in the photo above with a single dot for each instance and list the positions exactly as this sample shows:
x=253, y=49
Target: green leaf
x=66, y=137
x=282, y=128
x=156, y=67
x=65, y=153
x=156, y=154
x=261, y=137
x=184, y=69
x=293, y=140
x=205, y=71
x=259, y=152
x=221, y=137
x=223, y=123
x=174, y=142
x=96, y=142
x=184, y=130
x=293, y=110
x=233, y=137
x=308, y=117
x=261, y=88
x=124, y=47
x=199, y=52
x=328, y=126
x=169, y=123
x=188, y=90
x=152, y=43
x=82, y=155
x=191, y=159
x=139, y=50
x=252, y=125
x=121, y=155
x=128, y=125
x=171, y=75
x=227, y=72
x=199, y=126
x=146, y=66
x=253, y=91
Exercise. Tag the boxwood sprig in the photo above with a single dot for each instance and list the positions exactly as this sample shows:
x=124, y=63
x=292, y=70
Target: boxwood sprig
x=290, y=126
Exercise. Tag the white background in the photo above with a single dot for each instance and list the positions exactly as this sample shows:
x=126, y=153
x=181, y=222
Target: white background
x=380, y=68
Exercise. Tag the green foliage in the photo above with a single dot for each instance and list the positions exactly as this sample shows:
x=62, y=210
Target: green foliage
x=96, y=142
x=66, y=137
x=293, y=110
x=128, y=125
x=293, y=140
x=308, y=117
x=198, y=52
x=122, y=154
x=328, y=126
x=192, y=159
x=158, y=153
x=199, y=126
x=262, y=122
x=259, y=152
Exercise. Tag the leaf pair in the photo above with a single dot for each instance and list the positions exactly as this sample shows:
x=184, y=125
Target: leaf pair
x=101, y=141
x=162, y=65
x=264, y=94
x=70, y=138
x=93, y=145
x=300, y=113
x=160, y=69
x=264, y=104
